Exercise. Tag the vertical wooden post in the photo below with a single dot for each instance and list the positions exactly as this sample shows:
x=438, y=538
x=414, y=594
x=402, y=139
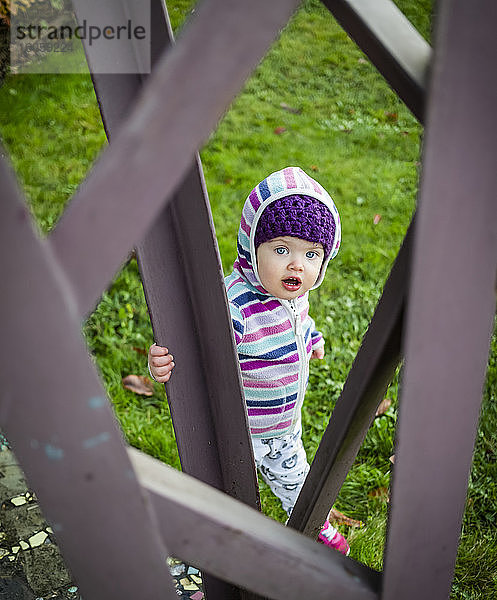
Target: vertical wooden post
x=451, y=307
x=183, y=281
x=163, y=257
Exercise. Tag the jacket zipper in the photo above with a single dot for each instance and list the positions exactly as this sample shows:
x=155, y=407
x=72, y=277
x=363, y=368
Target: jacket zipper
x=303, y=364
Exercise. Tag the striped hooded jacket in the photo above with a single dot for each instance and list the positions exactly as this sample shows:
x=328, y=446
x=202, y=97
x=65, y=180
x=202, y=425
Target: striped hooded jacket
x=275, y=338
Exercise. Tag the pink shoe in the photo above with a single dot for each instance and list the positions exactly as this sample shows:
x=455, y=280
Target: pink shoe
x=329, y=536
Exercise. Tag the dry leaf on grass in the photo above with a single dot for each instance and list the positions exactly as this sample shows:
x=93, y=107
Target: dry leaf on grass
x=391, y=116
x=335, y=516
x=140, y=350
x=380, y=493
x=279, y=130
x=139, y=384
x=383, y=407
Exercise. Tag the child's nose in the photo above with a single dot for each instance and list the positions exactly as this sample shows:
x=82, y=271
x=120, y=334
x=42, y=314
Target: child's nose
x=297, y=264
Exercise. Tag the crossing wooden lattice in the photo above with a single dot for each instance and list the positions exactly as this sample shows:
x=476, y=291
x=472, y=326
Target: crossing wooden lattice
x=71, y=449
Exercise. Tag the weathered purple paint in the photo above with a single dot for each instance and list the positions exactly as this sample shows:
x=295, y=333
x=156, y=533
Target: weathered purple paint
x=59, y=421
x=185, y=292
x=182, y=276
x=263, y=555
x=451, y=307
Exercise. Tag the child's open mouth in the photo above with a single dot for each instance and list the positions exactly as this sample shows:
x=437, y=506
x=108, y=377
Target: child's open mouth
x=292, y=284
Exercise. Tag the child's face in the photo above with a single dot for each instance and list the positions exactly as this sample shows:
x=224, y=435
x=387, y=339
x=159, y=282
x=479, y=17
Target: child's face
x=289, y=266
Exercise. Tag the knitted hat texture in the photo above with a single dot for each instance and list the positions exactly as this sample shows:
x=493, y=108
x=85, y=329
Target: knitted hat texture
x=297, y=216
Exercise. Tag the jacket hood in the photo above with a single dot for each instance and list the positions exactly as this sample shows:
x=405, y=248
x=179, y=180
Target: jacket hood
x=287, y=182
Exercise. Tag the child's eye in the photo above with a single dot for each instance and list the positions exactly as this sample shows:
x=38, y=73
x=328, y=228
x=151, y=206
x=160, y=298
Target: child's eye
x=281, y=250
x=311, y=254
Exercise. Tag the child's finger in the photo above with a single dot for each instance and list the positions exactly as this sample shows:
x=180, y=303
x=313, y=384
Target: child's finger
x=163, y=379
x=158, y=350
x=161, y=361
x=163, y=371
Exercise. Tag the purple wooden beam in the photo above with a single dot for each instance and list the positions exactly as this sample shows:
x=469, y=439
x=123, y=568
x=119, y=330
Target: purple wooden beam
x=55, y=414
x=367, y=381
x=183, y=281
x=263, y=555
x=392, y=44
x=180, y=105
x=451, y=307
x=184, y=290
x=182, y=275
x=181, y=270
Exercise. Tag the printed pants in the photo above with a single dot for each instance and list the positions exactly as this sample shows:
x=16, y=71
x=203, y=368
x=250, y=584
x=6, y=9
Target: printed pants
x=283, y=465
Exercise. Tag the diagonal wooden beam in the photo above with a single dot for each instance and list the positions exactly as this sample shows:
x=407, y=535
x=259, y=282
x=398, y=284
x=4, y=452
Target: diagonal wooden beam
x=451, y=307
x=222, y=536
x=367, y=381
x=393, y=45
x=55, y=414
x=180, y=105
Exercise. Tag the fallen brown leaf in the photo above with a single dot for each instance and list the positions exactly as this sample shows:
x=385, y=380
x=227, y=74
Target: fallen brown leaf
x=391, y=116
x=140, y=350
x=385, y=404
x=376, y=219
x=335, y=516
x=380, y=493
x=279, y=130
x=139, y=384
x=314, y=168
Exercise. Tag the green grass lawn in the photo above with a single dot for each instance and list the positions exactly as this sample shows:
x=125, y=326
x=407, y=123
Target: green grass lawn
x=315, y=101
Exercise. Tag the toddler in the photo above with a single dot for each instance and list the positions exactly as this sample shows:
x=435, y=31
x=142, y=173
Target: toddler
x=289, y=231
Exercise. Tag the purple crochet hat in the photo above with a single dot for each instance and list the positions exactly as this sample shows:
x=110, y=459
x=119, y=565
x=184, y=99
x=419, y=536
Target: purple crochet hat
x=297, y=216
